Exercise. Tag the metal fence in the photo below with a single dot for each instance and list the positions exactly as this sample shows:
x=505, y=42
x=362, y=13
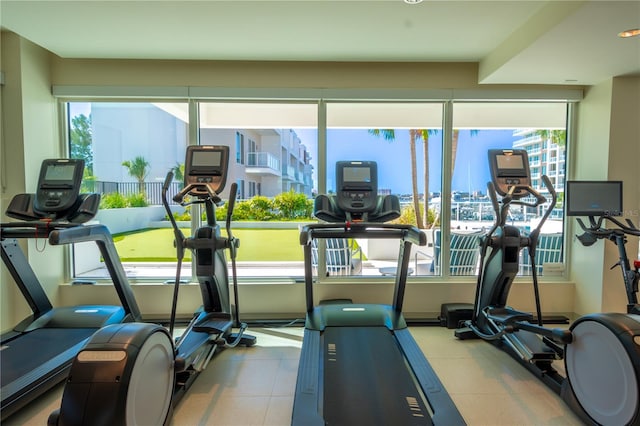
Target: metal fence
x=152, y=190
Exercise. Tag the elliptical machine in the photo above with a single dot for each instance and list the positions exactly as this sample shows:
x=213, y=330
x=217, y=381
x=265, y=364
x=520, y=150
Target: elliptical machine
x=601, y=356
x=135, y=374
x=600, y=201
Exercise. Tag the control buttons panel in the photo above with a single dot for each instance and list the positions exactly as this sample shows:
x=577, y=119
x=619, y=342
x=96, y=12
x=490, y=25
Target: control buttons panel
x=357, y=197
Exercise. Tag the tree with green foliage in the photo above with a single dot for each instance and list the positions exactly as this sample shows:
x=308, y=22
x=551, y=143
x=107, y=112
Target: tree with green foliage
x=178, y=172
x=558, y=137
x=414, y=135
x=138, y=168
x=292, y=205
x=81, y=138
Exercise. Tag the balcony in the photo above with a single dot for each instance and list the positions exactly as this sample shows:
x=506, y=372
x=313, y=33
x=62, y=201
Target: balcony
x=263, y=163
x=289, y=173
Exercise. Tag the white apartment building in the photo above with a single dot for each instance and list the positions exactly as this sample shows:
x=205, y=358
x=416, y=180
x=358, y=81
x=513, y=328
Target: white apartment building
x=545, y=158
x=262, y=161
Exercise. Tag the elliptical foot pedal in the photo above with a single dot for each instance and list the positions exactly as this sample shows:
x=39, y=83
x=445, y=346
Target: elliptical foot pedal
x=465, y=333
x=508, y=315
x=246, y=339
x=213, y=326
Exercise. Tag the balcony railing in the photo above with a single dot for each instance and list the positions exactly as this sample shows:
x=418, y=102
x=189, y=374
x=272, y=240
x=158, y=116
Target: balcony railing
x=263, y=159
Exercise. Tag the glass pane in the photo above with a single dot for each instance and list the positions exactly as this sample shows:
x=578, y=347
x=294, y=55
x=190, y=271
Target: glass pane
x=272, y=160
x=128, y=149
x=405, y=140
x=540, y=129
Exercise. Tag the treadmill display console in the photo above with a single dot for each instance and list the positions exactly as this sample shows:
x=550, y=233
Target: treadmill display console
x=206, y=165
x=58, y=185
x=357, y=186
x=509, y=168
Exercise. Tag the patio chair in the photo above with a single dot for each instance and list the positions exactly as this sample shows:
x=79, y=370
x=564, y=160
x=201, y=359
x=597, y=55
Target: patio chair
x=342, y=256
x=548, y=250
x=464, y=252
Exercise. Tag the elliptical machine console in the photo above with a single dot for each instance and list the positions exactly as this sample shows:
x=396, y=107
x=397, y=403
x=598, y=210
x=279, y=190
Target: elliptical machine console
x=205, y=170
x=600, y=351
x=510, y=171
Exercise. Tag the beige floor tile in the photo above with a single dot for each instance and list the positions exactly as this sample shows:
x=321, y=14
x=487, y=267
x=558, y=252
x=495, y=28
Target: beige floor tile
x=223, y=411
x=513, y=409
x=255, y=386
x=279, y=411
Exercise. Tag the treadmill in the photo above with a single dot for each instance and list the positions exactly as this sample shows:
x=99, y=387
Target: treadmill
x=38, y=352
x=359, y=364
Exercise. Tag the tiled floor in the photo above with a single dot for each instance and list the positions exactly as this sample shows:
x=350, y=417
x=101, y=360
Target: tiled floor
x=255, y=386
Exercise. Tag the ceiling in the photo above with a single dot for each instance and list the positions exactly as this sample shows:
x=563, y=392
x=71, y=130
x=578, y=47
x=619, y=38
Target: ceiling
x=514, y=42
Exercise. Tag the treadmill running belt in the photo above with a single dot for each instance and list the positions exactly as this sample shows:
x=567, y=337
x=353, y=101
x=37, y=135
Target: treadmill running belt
x=32, y=349
x=367, y=380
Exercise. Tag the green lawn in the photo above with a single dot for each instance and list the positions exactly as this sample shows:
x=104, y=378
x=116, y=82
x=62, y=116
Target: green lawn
x=156, y=245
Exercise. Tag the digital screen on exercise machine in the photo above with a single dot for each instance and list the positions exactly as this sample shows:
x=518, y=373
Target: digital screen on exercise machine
x=57, y=174
x=593, y=198
x=510, y=165
x=58, y=184
x=509, y=168
x=357, y=175
x=206, y=162
x=357, y=185
x=206, y=165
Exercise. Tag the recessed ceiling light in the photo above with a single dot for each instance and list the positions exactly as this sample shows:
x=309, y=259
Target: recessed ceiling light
x=413, y=1
x=629, y=33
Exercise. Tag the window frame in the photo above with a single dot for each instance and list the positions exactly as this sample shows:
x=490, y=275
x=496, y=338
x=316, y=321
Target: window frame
x=321, y=98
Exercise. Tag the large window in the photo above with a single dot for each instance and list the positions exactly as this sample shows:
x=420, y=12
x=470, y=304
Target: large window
x=275, y=178
x=128, y=149
x=405, y=139
x=538, y=128
x=431, y=154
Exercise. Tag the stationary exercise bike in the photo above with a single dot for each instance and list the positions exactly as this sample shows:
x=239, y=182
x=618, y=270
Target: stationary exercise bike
x=601, y=201
x=600, y=351
x=134, y=373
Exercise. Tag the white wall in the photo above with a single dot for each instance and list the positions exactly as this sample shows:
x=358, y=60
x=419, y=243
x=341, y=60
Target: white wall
x=607, y=147
x=30, y=135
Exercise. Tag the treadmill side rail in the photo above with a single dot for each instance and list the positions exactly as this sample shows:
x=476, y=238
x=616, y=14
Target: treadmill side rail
x=442, y=406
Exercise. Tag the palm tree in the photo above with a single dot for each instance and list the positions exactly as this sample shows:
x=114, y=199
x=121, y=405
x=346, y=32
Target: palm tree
x=414, y=135
x=178, y=172
x=138, y=168
x=424, y=134
x=558, y=137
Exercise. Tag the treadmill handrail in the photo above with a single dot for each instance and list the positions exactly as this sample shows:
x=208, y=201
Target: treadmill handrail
x=102, y=237
x=35, y=229
x=362, y=230
x=405, y=234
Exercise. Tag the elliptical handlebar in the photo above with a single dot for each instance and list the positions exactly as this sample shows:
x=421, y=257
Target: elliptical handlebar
x=179, y=197
x=502, y=208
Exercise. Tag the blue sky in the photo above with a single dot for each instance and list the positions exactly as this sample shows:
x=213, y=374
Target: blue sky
x=393, y=158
